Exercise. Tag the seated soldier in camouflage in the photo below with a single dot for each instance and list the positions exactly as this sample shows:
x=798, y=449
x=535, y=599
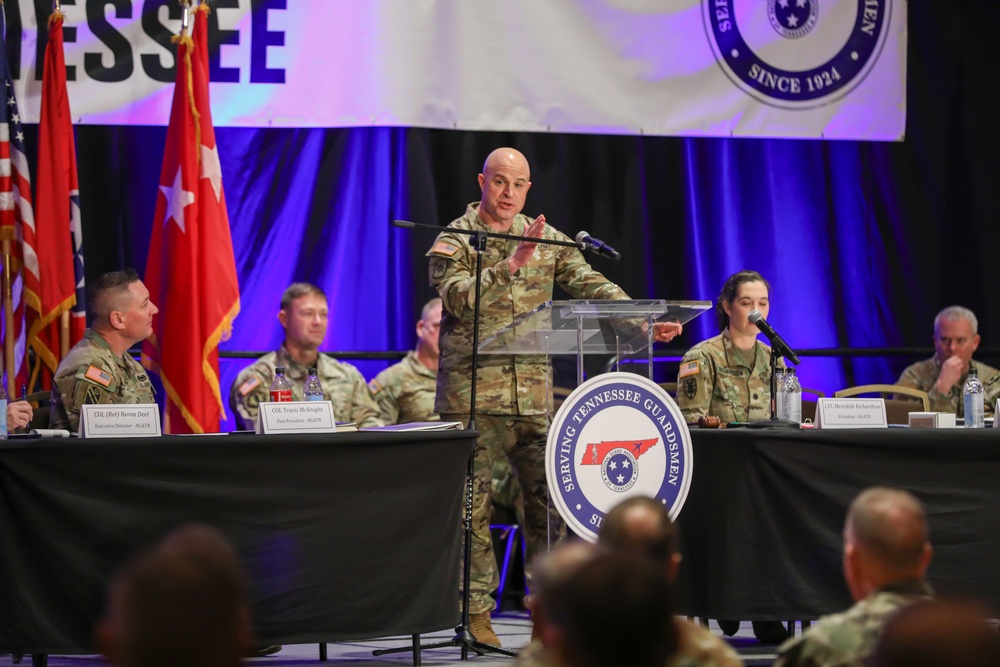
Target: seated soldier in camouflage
x=405, y=391
x=729, y=376
x=304, y=315
x=886, y=554
x=943, y=376
x=99, y=369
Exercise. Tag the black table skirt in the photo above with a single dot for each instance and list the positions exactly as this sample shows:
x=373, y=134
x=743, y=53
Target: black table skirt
x=344, y=536
x=761, y=529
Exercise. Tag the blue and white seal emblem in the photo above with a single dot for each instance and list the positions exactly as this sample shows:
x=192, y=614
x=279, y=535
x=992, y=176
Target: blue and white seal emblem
x=617, y=435
x=797, y=54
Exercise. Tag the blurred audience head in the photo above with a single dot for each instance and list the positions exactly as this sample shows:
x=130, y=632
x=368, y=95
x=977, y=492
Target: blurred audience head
x=885, y=540
x=612, y=609
x=183, y=602
x=642, y=526
x=938, y=634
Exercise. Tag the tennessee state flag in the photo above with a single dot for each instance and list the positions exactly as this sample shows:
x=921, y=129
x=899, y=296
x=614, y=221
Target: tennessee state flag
x=190, y=271
x=56, y=236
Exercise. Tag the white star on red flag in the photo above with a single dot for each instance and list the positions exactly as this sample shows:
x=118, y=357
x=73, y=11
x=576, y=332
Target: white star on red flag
x=177, y=200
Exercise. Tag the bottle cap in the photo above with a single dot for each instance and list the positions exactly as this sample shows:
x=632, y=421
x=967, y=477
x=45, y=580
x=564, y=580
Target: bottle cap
x=312, y=371
x=279, y=369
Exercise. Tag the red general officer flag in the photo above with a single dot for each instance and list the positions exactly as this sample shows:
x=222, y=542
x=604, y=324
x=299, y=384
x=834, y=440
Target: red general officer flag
x=191, y=272
x=53, y=290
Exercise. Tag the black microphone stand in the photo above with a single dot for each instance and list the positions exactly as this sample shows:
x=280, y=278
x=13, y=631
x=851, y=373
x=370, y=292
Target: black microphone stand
x=463, y=637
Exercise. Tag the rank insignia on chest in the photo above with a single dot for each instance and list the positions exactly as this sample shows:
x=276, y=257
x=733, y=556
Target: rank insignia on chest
x=690, y=387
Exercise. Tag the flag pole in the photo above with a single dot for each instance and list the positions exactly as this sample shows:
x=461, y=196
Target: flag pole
x=8, y=319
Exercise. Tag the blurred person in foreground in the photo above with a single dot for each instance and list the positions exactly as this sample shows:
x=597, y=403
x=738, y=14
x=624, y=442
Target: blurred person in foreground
x=938, y=634
x=184, y=602
x=640, y=526
x=887, y=551
x=608, y=610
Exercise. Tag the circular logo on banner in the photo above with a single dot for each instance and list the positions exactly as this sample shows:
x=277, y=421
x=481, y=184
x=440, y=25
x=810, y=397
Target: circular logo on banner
x=796, y=54
x=617, y=435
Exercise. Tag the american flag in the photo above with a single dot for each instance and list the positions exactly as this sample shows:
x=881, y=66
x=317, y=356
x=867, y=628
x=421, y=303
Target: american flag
x=15, y=213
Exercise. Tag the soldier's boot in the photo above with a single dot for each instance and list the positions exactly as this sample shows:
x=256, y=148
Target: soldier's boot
x=482, y=629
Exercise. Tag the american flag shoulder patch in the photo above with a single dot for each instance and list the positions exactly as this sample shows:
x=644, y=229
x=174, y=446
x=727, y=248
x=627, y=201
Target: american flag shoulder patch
x=249, y=386
x=444, y=248
x=690, y=368
x=97, y=375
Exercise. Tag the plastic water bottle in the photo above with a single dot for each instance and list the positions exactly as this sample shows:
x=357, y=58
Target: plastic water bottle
x=973, y=400
x=313, y=389
x=793, y=397
x=3, y=407
x=780, y=406
x=281, y=390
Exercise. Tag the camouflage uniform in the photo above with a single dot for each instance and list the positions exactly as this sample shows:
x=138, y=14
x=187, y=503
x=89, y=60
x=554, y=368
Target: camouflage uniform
x=92, y=373
x=405, y=392
x=711, y=381
x=924, y=374
x=846, y=638
x=342, y=383
x=511, y=391
x=696, y=647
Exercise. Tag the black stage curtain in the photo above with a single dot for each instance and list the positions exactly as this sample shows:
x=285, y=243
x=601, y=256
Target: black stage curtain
x=343, y=537
x=761, y=529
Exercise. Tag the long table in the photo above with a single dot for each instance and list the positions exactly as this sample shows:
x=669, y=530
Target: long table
x=761, y=528
x=345, y=536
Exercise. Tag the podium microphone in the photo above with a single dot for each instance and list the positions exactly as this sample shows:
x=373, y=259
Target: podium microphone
x=588, y=242
x=776, y=341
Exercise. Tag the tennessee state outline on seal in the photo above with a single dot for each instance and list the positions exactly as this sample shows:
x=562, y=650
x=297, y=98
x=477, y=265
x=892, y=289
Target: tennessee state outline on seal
x=617, y=435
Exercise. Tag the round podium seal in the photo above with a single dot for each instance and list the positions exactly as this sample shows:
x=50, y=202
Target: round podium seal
x=617, y=435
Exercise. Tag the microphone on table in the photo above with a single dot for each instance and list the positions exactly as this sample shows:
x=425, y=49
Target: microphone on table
x=588, y=242
x=777, y=342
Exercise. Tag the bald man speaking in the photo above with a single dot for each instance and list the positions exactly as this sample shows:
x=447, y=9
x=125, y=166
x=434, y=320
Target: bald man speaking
x=512, y=394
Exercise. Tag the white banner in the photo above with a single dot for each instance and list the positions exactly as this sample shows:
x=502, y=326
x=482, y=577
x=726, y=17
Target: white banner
x=778, y=68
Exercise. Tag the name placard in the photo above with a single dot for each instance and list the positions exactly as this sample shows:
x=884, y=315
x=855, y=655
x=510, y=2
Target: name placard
x=134, y=420
x=296, y=417
x=851, y=413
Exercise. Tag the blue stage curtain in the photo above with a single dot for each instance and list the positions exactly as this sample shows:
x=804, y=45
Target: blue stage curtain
x=862, y=242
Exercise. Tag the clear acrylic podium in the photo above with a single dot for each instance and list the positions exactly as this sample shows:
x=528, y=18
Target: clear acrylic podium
x=591, y=327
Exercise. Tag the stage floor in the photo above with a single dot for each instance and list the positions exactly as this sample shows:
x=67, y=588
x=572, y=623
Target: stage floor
x=514, y=630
